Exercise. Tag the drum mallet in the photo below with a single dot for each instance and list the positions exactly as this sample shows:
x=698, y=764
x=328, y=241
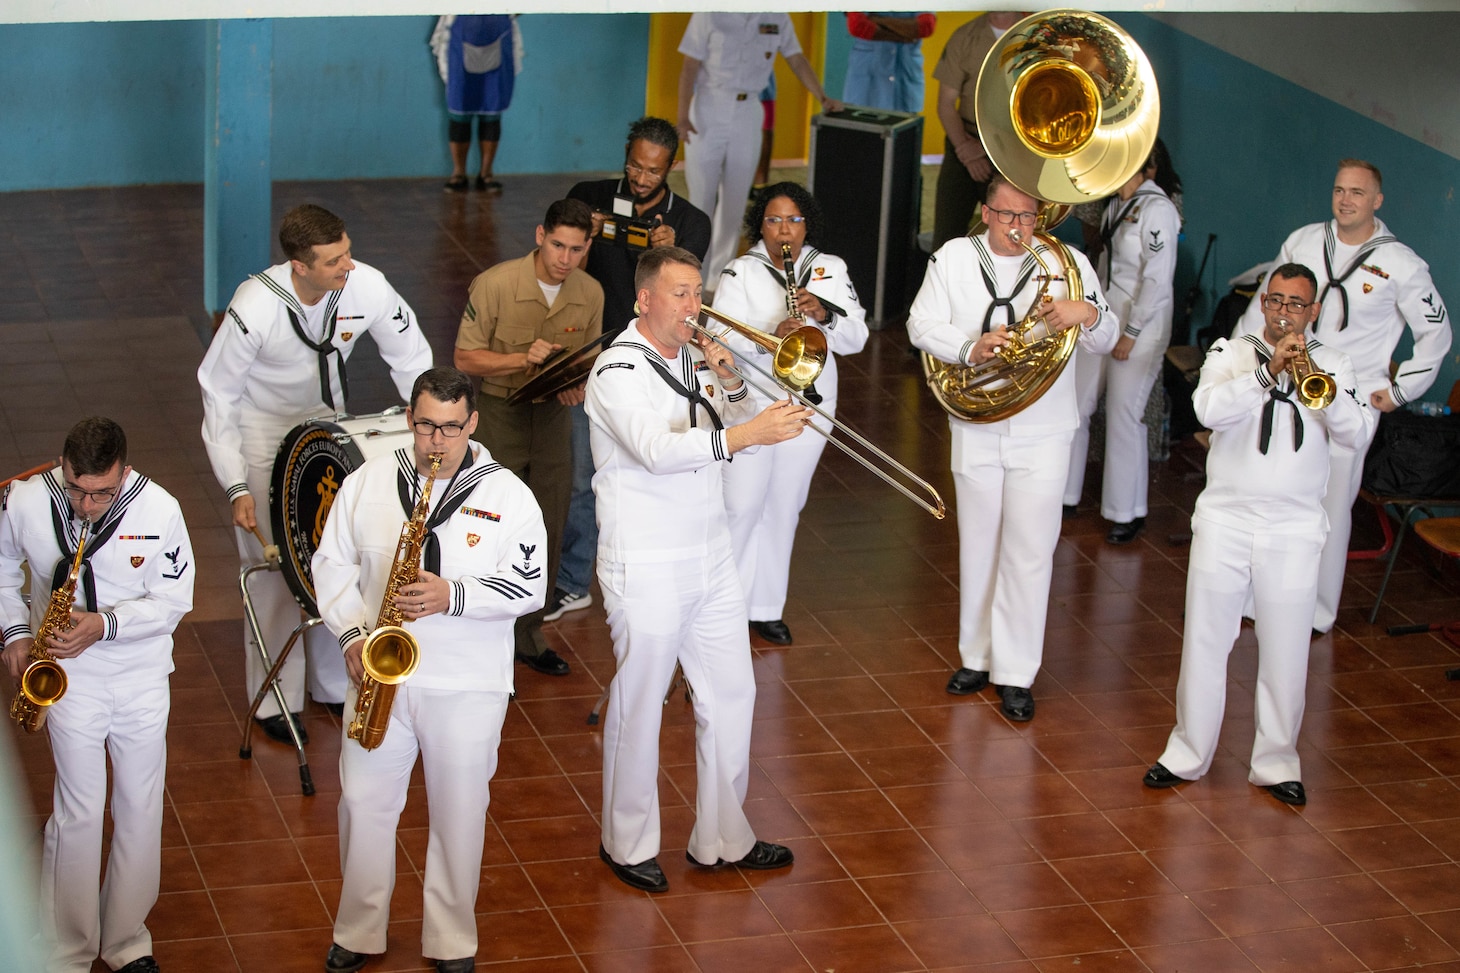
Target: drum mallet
x=271, y=551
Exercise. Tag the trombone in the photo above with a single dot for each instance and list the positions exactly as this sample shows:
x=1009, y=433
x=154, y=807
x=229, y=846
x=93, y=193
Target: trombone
x=797, y=360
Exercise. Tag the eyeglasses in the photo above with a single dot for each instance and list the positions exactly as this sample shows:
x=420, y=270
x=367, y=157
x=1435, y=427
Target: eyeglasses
x=95, y=496
x=1277, y=304
x=1008, y=216
x=425, y=427
x=641, y=171
x=778, y=220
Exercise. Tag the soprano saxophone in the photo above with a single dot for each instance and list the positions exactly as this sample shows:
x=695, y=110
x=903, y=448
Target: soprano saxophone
x=391, y=654
x=44, y=681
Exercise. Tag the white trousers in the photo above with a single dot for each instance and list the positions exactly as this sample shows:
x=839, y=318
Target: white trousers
x=129, y=723
x=1278, y=571
x=765, y=491
x=1345, y=473
x=273, y=603
x=719, y=167
x=456, y=735
x=690, y=612
x=1008, y=493
x=1127, y=470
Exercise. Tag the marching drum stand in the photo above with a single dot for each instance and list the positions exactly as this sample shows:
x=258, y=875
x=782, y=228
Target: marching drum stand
x=271, y=680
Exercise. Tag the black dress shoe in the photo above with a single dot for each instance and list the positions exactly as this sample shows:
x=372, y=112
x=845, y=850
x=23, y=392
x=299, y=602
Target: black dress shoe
x=1125, y=533
x=275, y=728
x=1018, y=703
x=338, y=709
x=646, y=876
x=1159, y=776
x=763, y=856
x=1289, y=792
x=547, y=662
x=342, y=960
x=1070, y=511
x=464, y=965
x=965, y=682
x=142, y=964
x=774, y=632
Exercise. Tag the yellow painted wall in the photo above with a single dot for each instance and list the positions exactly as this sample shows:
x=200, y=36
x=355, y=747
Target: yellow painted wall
x=794, y=107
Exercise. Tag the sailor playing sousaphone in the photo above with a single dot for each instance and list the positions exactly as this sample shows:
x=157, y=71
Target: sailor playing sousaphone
x=1067, y=109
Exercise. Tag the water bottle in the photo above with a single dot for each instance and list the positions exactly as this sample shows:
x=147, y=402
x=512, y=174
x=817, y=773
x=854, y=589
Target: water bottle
x=1429, y=408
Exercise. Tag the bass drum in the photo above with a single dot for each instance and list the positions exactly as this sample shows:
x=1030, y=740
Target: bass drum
x=312, y=461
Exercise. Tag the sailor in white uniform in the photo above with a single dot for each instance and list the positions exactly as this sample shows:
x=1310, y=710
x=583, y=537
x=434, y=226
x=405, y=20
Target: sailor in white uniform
x=1371, y=287
x=728, y=58
x=135, y=586
x=278, y=359
x=1137, y=269
x=1009, y=475
x=665, y=417
x=482, y=566
x=765, y=490
x=1257, y=528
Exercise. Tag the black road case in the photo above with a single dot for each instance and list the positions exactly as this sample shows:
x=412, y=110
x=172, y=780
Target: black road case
x=865, y=170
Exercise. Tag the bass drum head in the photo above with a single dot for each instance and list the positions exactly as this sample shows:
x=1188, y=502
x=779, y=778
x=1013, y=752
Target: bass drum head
x=311, y=463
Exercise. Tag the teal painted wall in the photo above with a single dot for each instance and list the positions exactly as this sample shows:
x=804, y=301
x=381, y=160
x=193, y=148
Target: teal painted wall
x=122, y=104
x=100, y=104
x=1257, y=156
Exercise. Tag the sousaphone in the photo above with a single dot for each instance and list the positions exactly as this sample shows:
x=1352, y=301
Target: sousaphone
x=1067, y=109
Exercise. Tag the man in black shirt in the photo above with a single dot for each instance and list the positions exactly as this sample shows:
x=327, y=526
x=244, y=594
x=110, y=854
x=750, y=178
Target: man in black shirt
x=636, y=212
x=631, y=214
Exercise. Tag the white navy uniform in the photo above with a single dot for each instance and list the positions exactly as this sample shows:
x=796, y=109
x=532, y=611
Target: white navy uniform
x=1009, y=476
x=766, y=490
x=116, y=704
x=737, y=53
x=492, y=549
x=1385, y=286
x=1257, y=528
x=671, y=592
x=1137, y=271
x=259, y=381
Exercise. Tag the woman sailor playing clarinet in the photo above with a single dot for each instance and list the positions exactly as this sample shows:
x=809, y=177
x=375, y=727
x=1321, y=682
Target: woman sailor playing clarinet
x=782, y=283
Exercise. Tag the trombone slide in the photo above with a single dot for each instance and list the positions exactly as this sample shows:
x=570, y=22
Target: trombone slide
x=933, y=504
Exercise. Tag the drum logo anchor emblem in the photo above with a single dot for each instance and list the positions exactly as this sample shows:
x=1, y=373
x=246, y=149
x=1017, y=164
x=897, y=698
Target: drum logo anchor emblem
x=327, y=487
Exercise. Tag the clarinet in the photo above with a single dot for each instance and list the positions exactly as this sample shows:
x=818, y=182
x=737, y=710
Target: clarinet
x=789, y=265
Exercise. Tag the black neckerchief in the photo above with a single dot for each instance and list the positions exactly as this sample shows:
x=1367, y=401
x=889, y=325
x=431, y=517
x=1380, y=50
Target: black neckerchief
x=63, y=524
x=322, y=348
x=690, y=391
x=1330, y=242
x=990, y=283
x=407, y=487
x=1275, y=395
x=1109, y=226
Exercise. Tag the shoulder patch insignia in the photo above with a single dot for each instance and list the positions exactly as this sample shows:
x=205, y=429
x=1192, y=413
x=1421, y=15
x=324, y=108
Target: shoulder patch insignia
x=727, y=272
x=1157, y=244
x=616, y=364
x=238, y=320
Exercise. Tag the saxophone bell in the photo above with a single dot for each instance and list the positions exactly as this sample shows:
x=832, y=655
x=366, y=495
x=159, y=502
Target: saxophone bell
x=43, y=682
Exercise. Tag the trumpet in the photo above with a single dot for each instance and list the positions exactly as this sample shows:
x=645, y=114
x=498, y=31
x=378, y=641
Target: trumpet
x=798, y=359
x=1316, y=389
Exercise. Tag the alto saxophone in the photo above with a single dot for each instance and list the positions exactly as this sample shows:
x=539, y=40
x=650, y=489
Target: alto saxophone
x=44, y=681
x=391, y=653
x=789, y=266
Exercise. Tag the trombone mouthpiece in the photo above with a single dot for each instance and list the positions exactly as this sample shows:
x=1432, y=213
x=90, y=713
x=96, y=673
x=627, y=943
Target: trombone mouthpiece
x=1015, y=235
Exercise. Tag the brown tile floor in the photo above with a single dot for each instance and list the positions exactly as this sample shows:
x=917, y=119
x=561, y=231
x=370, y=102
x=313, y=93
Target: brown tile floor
x=929, y=832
